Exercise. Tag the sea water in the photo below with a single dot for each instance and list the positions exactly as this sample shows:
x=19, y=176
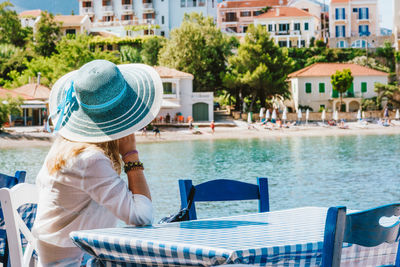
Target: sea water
x=355, y=171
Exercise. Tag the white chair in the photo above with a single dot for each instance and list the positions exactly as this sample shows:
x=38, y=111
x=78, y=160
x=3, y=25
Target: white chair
x=11, y=200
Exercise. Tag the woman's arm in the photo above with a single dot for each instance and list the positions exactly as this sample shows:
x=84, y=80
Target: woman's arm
x=136, y=180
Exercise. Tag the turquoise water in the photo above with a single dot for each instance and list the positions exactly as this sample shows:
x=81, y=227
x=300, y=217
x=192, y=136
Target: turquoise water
x=356, y=171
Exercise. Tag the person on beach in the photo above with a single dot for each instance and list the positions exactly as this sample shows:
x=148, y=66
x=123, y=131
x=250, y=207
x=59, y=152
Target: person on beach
x=95, y=111
x=144, y=131
x=212, y=126
x=156, y=131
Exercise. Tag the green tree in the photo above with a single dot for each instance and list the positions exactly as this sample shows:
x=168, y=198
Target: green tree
x=130, y=54
x=389, y=91
x=200, y=48
x=151, y=49
x=11, y=58
x=9, y=106
x=47, y=34
x=11, y=31
x=262, y=66
x=341, y=81
x=387, y=52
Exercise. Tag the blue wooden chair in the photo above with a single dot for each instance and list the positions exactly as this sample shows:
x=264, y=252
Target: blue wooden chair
x=224, y=190
x=361, y=228
x=8, y=182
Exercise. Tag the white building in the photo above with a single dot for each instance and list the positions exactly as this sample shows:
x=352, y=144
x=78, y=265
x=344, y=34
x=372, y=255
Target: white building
x=29, y=18
x=73, y=24
x=114, y=15
x=290, y=26
x=179, y=97
x=312, y=86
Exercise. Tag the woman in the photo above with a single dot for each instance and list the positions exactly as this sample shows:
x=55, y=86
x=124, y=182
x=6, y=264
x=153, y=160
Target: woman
x=95, y=110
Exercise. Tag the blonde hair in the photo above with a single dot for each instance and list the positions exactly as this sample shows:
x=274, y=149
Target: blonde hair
x=63, y=150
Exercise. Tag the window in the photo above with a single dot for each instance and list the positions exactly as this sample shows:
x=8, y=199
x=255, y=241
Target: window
x=191, y=3
x=350, y=91
x=340, y=31
x=256, y=13
x=306, y=26
x=70, y=31
x=363, y=30
x=202, y=2
x=126, y=17
x=355, y=10
x=303, y=43
x=245, y=28
x=162, y=33
x=308, y=88
x=284, y=27
x=270, y=27
x=232, y=29
x=183, y=3
x=341, y=44
x=106, y=2
x=245, y=14
x=321, y=107
x=162, y=19
x=363, y=87
x=297, y=26
x=335, y=93
x=282, y=43
x=230, y=16
x=359, y=44
x=109, y=47
x=322, y=87
x=126, y=2
x=167, y=88
x=148, y=16
x=363, y=13
x=340, y=14
x=86, y=4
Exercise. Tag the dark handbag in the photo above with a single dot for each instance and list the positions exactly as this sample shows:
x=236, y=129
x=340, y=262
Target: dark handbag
x=183, y=214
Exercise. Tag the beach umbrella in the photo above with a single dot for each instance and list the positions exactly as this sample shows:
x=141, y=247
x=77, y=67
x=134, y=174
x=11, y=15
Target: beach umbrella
x=249, y=117
x=323, y=116
x=262, y=112
x=397, y=115
x=299, y=114
x=359, y=114
x=336, y=115
x=273, y=115
x=267, y=115
x=307, y=115
x=284, y=115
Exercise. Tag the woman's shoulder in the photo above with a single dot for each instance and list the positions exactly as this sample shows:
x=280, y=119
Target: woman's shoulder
x=92, y=154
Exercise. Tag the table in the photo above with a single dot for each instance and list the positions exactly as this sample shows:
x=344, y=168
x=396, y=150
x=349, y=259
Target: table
x=290, y=237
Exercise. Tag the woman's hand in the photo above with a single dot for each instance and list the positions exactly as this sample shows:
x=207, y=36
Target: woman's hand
x=126, y=144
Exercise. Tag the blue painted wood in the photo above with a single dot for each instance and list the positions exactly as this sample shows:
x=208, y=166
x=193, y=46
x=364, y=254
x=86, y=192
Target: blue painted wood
x=361, y=228
x=9, y=182
x=225, y=190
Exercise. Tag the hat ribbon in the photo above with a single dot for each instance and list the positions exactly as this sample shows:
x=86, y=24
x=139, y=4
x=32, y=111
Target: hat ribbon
x=67, y=103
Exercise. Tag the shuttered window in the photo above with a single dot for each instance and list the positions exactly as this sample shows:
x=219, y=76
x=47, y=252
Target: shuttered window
x=308, y=88
x=322, y=87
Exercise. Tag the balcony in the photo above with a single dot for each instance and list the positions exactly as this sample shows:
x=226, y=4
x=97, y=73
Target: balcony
x=148, y=8
x=87, y=11
x=361, y=34
x=282, y=33
x=127, y=9
x=107, y=10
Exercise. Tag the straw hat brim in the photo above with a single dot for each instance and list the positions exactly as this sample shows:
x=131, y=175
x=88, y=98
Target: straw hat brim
x=139, y=106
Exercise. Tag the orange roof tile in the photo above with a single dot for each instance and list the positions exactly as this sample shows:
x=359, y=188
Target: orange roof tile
x=328, y=69
x=340, y=1
x=30, y=13
x=69, y=20
x=34, y=91
x=249, y=3
x=285, y=12
x=4, y=93
x=165, y=72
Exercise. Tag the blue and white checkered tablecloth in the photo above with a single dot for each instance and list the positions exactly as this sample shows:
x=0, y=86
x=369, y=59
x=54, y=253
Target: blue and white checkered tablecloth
x=279, y=238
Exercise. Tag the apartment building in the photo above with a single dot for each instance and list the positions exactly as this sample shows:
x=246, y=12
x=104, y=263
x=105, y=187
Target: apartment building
x=235, y=16
x=354, y=23
x=290, y=26
x=113, y=15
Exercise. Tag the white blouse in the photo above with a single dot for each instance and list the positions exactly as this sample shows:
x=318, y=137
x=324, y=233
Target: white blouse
x=86, y=194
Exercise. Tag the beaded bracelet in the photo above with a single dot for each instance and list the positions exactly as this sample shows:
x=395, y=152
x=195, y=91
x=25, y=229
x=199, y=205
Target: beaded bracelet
x=133, y=165
x=129, y=153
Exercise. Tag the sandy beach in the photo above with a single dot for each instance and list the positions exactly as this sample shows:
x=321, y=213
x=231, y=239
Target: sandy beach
x=31, y=137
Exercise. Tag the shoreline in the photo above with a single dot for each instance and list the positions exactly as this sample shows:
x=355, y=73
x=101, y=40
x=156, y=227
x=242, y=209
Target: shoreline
x=41, y=139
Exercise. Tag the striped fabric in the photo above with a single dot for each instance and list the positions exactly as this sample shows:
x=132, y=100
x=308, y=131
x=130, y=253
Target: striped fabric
x=279, y=238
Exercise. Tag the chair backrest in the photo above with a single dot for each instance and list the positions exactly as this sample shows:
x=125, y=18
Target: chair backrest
x=11, y=200
x=224, y=190
x=362, y=228
x=10, y=181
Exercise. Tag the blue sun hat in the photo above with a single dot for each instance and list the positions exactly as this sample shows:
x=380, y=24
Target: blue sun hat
x=101, y=101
